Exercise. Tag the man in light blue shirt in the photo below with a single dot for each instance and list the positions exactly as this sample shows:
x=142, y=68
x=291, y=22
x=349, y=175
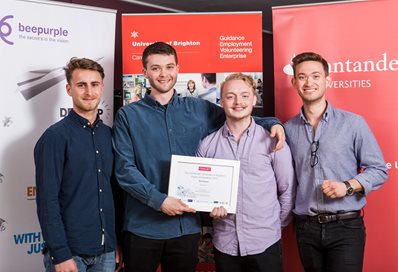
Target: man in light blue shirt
x=250, y=239
x=338, y=162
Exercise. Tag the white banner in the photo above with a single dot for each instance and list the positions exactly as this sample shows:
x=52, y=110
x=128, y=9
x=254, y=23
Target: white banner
x=37, y=39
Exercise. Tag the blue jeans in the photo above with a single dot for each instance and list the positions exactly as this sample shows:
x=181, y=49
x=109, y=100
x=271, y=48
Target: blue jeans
x=336, y=246
x=101, y=263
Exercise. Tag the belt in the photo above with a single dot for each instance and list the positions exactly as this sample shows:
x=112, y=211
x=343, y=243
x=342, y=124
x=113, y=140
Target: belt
x=325, y=218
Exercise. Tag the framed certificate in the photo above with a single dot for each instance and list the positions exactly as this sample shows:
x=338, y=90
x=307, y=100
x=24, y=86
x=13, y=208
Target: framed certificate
x=204, y=183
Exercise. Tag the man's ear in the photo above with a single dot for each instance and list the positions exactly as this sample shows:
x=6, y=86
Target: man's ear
x=254, y=100
x=68, y=89
x=328, y=80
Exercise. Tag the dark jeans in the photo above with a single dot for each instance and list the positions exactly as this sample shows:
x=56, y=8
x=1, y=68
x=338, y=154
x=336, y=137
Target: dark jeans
x=175, y=255
x=336, y=246
x=268, y=261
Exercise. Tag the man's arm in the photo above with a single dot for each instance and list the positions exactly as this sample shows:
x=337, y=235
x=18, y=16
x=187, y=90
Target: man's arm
x=370, y=160
x=275, y=128
x=49, y=161
x=282, y=164
x=128, y=176
x=131, y=179
x=216, y=117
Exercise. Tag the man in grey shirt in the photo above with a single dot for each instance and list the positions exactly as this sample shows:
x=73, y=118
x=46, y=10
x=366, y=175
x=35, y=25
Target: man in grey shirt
x=338, y=162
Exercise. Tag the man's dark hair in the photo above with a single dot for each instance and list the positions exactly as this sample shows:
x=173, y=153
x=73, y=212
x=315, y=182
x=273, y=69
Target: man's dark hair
x=84, y=64
x=210, y=77
x=310, y=56
x=160, y=48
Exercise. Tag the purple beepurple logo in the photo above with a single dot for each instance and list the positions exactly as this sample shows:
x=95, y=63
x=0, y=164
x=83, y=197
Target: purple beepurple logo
x=5, y=29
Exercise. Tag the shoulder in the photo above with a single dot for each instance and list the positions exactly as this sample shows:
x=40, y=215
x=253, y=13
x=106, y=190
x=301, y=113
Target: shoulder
x=207, y=145
x=212, y=137
x=55, y=134
x=293, y=122
x=58, y=129
x=348, y=117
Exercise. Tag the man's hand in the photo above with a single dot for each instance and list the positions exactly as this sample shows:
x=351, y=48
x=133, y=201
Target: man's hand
x=119, y=259
x=66, y=266
x=278, y=132
x=333, y=189
x=173, y=206
x=218, y=212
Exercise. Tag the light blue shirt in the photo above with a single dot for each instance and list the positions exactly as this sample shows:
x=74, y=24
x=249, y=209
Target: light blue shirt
x=346, y=145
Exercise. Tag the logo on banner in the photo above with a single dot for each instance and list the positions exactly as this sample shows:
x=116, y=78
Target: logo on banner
x=7, y=121
x=5, y=29
x=382, y=64
x=134, y=34
x=32, y=240
x=31, y=192
x=2, y=225
x=104, y=111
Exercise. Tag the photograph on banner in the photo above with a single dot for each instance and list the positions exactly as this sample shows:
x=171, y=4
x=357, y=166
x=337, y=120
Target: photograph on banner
x=198, y=85
x=205, y=58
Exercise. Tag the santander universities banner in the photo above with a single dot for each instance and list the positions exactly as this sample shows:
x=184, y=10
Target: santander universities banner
x=358, y=40
x=37, y=39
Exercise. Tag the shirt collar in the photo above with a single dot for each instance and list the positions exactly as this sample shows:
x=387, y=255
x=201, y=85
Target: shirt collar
x=326, y=115
x=83, y=121
x=151, y=101
x=250, y=130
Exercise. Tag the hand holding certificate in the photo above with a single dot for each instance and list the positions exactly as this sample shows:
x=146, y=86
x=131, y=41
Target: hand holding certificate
x=204, y=183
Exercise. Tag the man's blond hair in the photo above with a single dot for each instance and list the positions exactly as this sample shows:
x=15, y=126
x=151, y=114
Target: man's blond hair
x=239, y=76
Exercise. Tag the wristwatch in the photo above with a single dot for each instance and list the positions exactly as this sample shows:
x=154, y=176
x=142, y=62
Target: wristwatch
x=350, y=190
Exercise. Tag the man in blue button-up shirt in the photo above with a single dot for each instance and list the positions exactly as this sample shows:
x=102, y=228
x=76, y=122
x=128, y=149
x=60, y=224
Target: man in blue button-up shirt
x=338, y=162
x=74, y=164
x=159, y=228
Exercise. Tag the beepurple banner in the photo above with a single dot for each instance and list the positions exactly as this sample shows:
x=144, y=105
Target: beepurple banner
x=37, y=39
x=358, y=40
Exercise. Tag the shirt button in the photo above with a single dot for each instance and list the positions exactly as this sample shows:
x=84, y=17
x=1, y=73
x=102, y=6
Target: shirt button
x=100, y=190
x=96, y=151
x=101, y=210
x=99, y=170
x=93, y=132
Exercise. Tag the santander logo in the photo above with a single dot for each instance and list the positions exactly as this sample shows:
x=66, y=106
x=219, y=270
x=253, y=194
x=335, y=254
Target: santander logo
x=358, y=68
x=382, y=64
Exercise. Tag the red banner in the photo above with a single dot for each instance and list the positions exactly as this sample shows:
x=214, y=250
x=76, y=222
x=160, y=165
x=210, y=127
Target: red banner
x=358, y=40
x=205, y=42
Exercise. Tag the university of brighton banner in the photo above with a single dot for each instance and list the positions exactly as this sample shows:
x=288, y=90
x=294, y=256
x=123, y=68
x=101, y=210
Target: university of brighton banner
x=211, y=43
x=37, y=39
x=358, y=41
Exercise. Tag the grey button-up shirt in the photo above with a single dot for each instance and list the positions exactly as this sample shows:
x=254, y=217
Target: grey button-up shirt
x=347, y=150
